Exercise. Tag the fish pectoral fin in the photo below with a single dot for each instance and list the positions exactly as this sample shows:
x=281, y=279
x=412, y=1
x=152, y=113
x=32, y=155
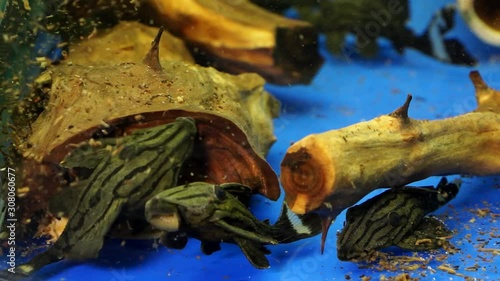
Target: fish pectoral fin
x=39, y=261
x=431, y=233
x=245, y=233
x=86, y=249
x=87, y=155
x=209, y=248
x=242, y=192
x=78, y=241
x=66, y=199
x=255, y=252
x=236, y=189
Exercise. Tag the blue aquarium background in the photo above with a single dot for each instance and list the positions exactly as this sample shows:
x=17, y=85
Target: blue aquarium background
x=346, y=90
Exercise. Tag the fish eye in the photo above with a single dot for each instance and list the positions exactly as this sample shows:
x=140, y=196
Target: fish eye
x=220, y=193
x=395, y=219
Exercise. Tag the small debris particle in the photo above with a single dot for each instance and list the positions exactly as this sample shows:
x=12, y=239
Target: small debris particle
x=139, y=117
x=93, y=33
x=23, y=191
x=403, y=277
x=26, y=5
x=104, y=124
x=94, y=143
x=489, y=250
x=448, y=269
x=423, y=241
x=475, y=267
x=410, y=267
x=482, y=212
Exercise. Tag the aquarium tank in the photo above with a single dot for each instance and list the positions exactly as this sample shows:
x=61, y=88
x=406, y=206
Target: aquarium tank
x=249, y=140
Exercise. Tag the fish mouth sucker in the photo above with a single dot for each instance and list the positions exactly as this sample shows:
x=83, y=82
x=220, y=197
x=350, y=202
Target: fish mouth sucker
x=163, y=215
x=166, y=222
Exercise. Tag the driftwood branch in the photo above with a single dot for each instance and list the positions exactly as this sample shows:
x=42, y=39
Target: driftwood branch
x=232, y=36
x=238, y=36
x=333, y=170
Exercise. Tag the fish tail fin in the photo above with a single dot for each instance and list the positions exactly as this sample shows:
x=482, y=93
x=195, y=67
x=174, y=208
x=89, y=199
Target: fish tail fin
x=433, y=43
x=50, y=256
x=291, y=227
x=447, y=191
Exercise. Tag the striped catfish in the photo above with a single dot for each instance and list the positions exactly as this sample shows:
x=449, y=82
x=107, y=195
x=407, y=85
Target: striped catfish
x=136, y=167
x=390, y=218
x=215, y=214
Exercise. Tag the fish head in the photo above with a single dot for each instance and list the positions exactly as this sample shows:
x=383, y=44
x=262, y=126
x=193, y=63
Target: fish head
x=192, y=205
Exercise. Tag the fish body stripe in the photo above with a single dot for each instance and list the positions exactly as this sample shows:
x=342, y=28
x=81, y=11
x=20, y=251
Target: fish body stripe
x=385, y=219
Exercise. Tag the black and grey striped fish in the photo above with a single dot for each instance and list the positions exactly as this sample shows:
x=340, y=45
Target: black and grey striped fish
x=387, y=218
x=139, y=165
x=433, y=43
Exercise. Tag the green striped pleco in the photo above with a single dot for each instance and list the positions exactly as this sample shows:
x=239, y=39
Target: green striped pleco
x=142, y=164
x=385, y=219
x=213, y=214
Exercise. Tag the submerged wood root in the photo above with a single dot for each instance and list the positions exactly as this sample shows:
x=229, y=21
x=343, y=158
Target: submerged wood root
x=333, y=170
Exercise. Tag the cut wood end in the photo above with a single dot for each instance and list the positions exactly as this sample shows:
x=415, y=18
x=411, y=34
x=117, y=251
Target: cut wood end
x=402, y=112
x=304, y=178
x=152, y=58
x=487, y=98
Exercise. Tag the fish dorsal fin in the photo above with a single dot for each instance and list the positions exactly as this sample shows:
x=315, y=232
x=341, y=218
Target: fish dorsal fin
x=62, y=203
x=240, y=191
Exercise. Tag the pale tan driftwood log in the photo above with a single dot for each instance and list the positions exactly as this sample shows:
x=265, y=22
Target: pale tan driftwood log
x=333, y=170
x=234, y=36
x=72, y=103
x=238, y=36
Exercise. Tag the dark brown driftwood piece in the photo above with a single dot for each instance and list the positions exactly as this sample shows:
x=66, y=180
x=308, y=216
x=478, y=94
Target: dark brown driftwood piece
x=233, y=36
x=238, y=36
